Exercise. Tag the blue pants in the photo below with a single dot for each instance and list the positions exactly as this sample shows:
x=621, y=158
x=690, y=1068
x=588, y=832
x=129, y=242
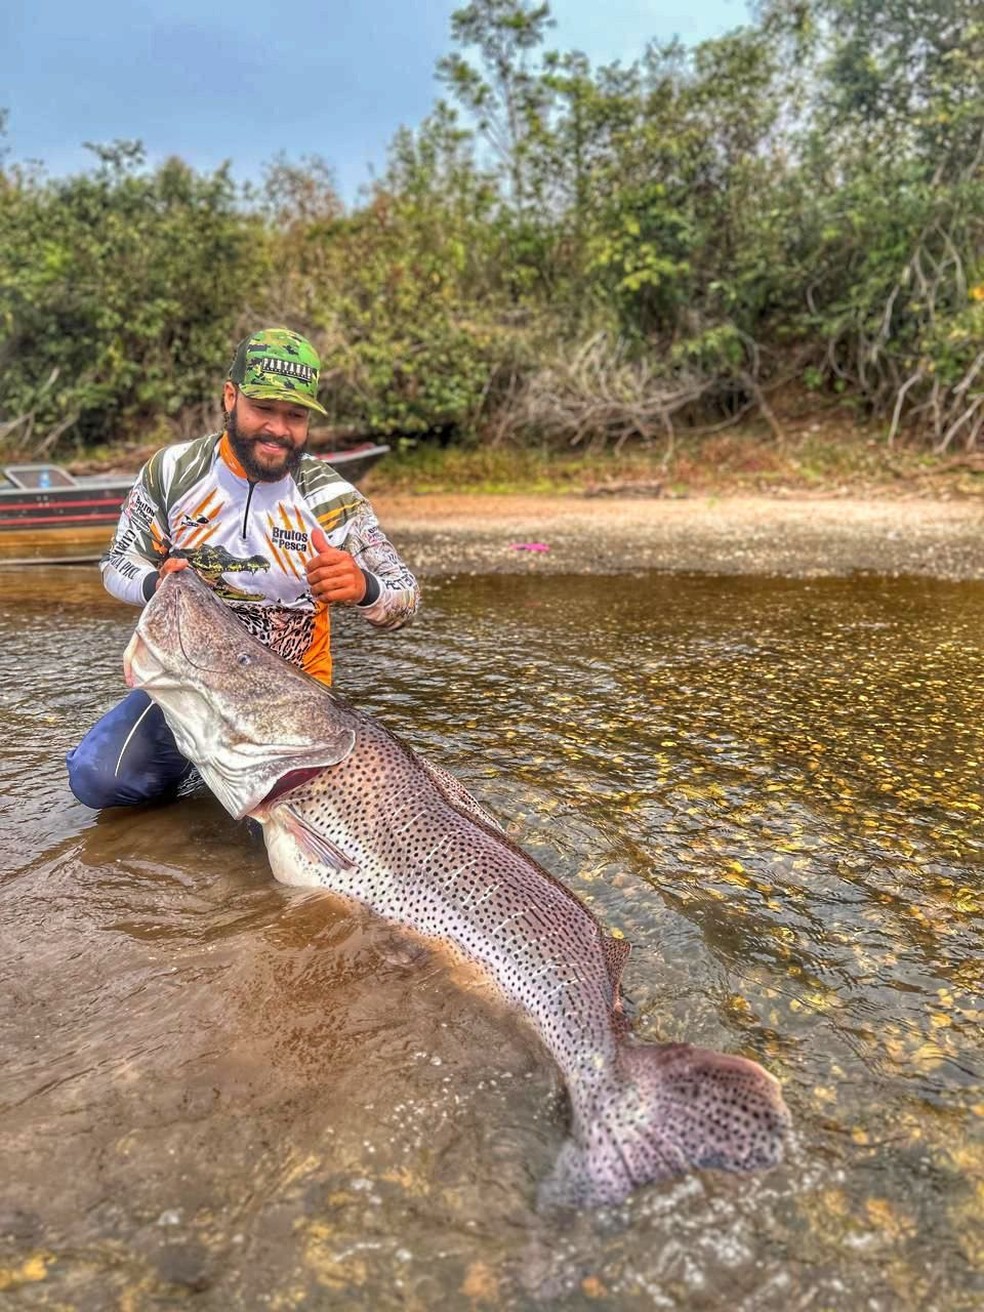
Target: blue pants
x=127, y=757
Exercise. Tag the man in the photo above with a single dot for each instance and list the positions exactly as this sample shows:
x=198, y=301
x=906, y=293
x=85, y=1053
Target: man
x=279, y=535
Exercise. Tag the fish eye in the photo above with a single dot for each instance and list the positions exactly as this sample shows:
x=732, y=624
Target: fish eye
x=243, y=658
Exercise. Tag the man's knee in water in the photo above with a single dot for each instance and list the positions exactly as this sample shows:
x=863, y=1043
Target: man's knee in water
x=127, y=758
x=94, y=782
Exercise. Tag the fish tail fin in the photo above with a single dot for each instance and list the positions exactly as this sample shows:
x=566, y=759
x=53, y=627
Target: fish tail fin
x=675, y=1108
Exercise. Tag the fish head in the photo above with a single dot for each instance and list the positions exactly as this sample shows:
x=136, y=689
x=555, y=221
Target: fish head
x=244, y=716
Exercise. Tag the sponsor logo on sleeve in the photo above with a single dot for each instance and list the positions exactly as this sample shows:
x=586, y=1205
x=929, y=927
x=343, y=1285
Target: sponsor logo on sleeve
x=124, y=542
x=139, y=508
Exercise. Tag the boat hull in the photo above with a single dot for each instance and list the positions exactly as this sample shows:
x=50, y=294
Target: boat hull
x=62, y=508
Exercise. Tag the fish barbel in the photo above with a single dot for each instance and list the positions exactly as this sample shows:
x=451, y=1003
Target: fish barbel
x=346, y=806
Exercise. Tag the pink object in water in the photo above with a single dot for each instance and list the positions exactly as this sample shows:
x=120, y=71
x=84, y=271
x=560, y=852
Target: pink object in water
x=530, y=546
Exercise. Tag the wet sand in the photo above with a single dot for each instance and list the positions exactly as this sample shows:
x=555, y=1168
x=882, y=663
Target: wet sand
x=793, y=537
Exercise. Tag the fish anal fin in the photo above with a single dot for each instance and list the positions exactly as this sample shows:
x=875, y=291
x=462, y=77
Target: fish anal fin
x=616, y=953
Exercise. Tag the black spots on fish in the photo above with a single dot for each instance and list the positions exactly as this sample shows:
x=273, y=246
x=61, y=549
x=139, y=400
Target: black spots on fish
x=433, y=864
x=420, y=857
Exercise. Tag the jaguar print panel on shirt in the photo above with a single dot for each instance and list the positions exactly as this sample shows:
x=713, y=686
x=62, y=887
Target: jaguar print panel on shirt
x=287, y=632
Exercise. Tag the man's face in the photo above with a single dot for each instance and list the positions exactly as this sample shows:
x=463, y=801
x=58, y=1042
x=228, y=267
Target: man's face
x=268, y=437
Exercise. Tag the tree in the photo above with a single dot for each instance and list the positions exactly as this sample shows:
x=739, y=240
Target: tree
x=120, y=291
x=896, y=287
x=504, y=93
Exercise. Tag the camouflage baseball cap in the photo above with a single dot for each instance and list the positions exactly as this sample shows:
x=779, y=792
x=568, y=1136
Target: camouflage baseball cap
x=277, y=365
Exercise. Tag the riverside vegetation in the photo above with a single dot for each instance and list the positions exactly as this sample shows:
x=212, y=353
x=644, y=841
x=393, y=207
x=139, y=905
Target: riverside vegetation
x=559, y=258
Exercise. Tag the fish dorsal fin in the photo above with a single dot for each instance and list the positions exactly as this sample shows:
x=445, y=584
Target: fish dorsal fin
x=458, y=795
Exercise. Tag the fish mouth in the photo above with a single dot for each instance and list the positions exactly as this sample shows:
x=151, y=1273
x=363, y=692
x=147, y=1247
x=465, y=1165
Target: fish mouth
x=293, y=779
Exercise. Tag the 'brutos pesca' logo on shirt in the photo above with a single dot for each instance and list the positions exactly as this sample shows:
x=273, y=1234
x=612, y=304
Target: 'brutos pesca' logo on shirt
x=289, y=539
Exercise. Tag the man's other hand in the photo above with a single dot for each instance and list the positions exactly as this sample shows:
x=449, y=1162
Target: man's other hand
x=170, y=565
x=333, y=575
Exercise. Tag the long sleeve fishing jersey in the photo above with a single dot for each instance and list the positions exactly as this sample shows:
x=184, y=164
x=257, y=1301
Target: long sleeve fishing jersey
x=251, y=541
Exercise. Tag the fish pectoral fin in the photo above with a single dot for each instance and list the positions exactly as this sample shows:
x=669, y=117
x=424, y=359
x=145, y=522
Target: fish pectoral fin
x=315, y=845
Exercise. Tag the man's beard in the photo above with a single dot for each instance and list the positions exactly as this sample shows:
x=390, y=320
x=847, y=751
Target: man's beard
x=244, y=446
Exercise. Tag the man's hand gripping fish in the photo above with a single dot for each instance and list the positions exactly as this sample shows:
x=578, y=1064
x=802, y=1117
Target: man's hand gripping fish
x=348, y=807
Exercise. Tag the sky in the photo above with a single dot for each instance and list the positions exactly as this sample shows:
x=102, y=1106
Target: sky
x=248, y=80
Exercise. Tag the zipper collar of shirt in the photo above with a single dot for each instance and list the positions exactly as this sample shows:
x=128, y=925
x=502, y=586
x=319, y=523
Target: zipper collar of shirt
x=231, y=461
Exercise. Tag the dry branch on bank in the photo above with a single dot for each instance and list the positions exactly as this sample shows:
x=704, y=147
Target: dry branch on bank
x=599, y=399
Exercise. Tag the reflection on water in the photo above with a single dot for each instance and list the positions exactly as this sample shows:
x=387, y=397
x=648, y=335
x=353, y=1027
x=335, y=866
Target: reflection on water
x=216, y=1085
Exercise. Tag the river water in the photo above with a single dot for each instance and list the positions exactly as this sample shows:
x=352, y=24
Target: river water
x=220, y=1090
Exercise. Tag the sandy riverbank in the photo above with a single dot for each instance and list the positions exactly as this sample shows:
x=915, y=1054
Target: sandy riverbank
x=796, y=537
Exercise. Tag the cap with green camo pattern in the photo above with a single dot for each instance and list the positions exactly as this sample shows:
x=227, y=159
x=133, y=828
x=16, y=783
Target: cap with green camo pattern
x=278, y=365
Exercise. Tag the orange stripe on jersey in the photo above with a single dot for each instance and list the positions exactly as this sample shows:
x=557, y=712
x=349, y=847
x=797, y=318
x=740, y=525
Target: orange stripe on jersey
x=317, y=658
x=284, y=564
x=200, y=508
x=157, y=540
x=201, y=535
x=330, y=518
x=301, y=526
x=282, y=557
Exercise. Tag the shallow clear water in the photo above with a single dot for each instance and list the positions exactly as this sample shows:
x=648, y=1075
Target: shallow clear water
x=213, y=1085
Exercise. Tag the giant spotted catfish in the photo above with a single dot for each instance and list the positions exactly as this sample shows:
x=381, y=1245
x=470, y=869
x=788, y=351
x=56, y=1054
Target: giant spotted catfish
x=347, y=806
